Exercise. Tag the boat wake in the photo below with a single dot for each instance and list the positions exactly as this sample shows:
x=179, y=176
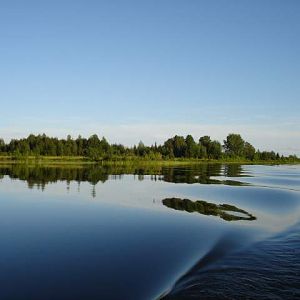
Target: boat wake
x=268, y=269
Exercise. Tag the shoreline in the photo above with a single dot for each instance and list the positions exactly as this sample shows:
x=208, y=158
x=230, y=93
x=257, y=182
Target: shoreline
x=80, y=160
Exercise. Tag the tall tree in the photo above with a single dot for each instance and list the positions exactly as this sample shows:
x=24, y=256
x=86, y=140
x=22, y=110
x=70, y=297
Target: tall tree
x=179, y=146
x=191, y=147
x=234, y=145
x=215, y=150
x=2, y=145
x=249, y=151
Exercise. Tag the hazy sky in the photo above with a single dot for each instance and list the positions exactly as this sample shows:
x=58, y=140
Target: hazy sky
x=147, y=70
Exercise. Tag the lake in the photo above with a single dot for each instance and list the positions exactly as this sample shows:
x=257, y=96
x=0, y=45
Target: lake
x=201, y=231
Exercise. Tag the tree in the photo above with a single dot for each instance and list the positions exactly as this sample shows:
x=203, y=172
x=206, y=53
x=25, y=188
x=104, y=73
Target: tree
x=141, y=149
x=179, y=146
x=202, y=151
x=191, y=147
x=23, y=148
x=79, y=142
x=94, y=153
x=2, y=145
x=249, y=151
x=59, y=148
x=215, y=150
x=234, y=145
x=175, y=147
x=105, y=148
x=211, y=149
x=93, y=141
x=168, y=148
x=205, y=141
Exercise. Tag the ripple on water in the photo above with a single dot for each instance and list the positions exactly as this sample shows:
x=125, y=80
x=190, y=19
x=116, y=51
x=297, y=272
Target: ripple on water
x=269, y=269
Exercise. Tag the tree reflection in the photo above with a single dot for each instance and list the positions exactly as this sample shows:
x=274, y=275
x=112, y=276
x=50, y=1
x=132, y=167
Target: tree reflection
x=224, y=211
x=39, y=176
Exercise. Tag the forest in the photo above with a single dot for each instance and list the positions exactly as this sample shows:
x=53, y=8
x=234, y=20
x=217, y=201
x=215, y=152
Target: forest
x=234, y=147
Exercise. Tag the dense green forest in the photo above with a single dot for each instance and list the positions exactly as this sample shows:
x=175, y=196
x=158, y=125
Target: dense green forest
x=234, y=147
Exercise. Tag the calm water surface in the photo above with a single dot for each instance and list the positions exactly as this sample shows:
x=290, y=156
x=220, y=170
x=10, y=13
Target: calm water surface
x=193, y=232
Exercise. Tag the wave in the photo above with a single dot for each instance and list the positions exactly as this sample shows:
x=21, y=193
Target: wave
x=268, y=269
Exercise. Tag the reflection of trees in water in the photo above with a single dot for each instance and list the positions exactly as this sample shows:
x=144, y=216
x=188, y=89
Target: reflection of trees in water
x=94, y=191
x=224, y=211
x=195, y=173
x=40, y=176
x=68, y=186
x=202, y=173
x=233, y=170
x=35, y=175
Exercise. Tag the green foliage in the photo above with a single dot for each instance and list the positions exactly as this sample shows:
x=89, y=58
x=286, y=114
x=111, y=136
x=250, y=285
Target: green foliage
x=205, y=141
x=2, y=145
x=215, y=150
x=249, y=151
x=212, y=149
x=191, y=148
x=177, y=147
x=234, y=145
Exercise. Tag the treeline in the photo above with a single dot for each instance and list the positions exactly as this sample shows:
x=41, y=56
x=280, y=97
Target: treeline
x=178, y=147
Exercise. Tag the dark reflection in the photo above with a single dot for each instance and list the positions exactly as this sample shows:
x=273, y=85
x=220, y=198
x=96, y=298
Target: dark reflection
x=224, y=211
x=233, y=170
x=201, y=173
x=39, y=176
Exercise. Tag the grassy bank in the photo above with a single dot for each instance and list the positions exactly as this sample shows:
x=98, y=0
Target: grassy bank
x=81, y=160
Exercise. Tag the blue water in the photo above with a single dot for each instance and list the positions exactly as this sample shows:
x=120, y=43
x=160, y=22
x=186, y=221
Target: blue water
x=269, y=269
x=193, y=232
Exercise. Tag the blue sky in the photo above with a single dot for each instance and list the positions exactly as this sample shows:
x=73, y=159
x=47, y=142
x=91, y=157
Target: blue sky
x=133, y=70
